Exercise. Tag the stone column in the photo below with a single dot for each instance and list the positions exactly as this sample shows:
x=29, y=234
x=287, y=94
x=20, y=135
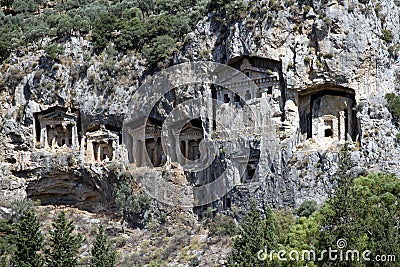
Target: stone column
x=114, y=147
x=349, y=123
x=98, y=152
x=75, y=141
x=145, y=155
x=155, y=155
x=320, y=127
x=139, y=153
x=342, y=121
x=89, y=151
x=82, y=149
x=43, y=137
x=134, y=151
x=186, y=149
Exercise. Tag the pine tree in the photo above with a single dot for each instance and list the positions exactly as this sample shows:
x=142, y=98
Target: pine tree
x=63, y=244
x=103, y=254
x=338, y=211
x=7, y=247
x=255, y=234
x=28, y=240
x=369, y=223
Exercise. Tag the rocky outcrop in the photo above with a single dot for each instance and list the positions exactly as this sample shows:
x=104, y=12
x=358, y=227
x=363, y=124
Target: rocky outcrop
x=349, y=44
x=352, y=47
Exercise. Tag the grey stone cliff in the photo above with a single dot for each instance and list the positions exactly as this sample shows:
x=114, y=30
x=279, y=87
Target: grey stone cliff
x=338, y=47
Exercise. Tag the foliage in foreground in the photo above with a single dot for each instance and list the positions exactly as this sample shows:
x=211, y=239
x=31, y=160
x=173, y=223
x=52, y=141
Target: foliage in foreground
x=103, y=253
x=28, y=241
x=64, y=243
x=254, y=233
x=22, y=243
x=364, y=212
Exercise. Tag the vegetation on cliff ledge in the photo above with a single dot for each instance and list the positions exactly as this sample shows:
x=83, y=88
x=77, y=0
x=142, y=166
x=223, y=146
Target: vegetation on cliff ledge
x=153, y=28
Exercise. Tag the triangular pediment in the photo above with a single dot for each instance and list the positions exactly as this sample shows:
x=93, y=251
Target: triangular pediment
x=59, y=115
x=189, y=128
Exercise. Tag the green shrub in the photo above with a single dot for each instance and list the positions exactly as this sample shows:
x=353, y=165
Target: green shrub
x=307, y=208
x=54, y=50
x=306, y=9
x=159, y=49
x=387, y=35
x=132, y=34
x=132, y=205
x=222, y=225
x=328, y=21
x=393, y=101
x=6, y=3
x=236, y=10
x=25, y=6
x=9, y=38
x=103, y=27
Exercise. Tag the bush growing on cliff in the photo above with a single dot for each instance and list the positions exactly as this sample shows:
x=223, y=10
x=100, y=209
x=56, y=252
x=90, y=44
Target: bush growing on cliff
x=387, y=35
x=9, y=38
x=132, y=205
x=6, y=3
x=222, y=225
x=393, y=101
x=54, y=50
x=103, y=27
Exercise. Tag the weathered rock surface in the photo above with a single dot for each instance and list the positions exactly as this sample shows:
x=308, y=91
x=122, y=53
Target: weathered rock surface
x=337, y=42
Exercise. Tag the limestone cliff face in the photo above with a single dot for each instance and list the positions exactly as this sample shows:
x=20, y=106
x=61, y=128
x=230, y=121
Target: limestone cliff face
x=350, y=46
x=345, y=43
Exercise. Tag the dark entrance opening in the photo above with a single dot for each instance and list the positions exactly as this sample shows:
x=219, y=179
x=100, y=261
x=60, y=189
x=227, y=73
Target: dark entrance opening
x=328, y=133
x=226, y=98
